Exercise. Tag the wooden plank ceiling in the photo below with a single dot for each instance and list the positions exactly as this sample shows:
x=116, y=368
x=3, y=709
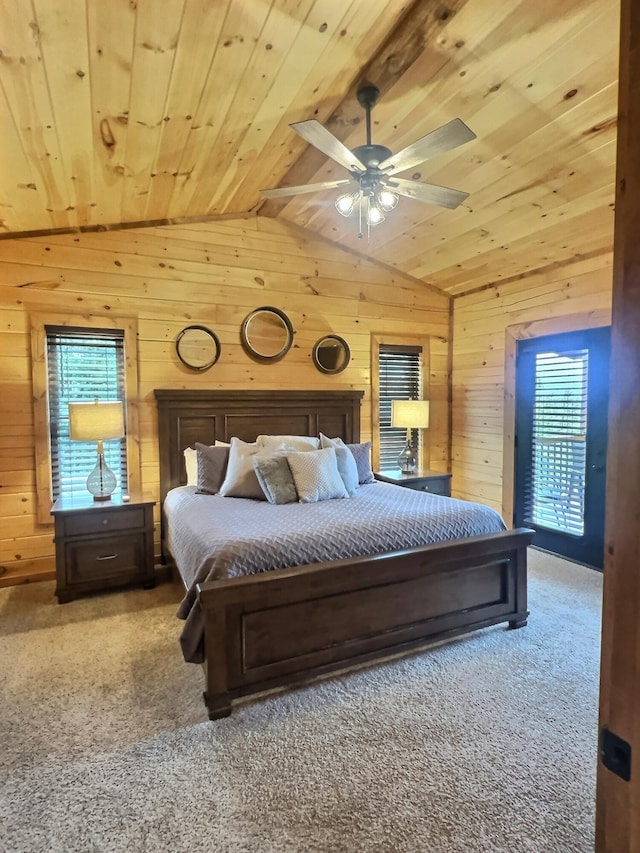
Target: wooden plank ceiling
x=132, y=111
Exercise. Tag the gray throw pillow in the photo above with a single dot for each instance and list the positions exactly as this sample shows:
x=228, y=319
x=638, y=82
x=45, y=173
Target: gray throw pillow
x=362, y=455
x=240, y=481
x=275, y=477
x=212, y=465
x=346, y=462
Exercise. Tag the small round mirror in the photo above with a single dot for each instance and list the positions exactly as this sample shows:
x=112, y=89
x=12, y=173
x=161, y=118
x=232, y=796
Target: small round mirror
x=331, y=354
x=198, y=347
x=267, y=334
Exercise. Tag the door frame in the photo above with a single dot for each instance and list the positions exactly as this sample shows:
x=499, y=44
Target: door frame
x=513, y=334
x=618, y=801
x=586, y=548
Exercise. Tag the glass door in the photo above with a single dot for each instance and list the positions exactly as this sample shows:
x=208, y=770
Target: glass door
x=562, y=392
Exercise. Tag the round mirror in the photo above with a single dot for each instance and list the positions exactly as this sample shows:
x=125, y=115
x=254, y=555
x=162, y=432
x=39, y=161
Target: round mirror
x=331, y=354
x=198, y=347
x=267, y=334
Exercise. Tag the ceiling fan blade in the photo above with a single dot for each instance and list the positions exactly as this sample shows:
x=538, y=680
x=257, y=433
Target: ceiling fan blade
x=279, y=192
x=429, y=193
x=326, y=142
x=443, y=139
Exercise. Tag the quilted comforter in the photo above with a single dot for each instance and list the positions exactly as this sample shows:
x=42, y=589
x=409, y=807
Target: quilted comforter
x=212, y=537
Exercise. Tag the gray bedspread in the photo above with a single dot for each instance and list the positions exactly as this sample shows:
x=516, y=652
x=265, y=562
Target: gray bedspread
x=213, y=537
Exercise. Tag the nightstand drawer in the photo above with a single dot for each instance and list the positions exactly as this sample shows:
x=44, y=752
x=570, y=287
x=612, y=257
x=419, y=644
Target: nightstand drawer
x=434, y=485
x=424, y=480
x=105, y=558
x=93, y=521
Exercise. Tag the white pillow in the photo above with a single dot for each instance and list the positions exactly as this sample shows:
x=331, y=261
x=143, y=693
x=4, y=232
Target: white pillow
x=346, y=462
x=273, y=443
x=221, y=444
x=240, y=481
x=316, y=475
x=191, y=466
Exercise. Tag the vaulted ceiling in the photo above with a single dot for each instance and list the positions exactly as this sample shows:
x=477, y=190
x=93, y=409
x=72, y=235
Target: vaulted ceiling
x=134, y=111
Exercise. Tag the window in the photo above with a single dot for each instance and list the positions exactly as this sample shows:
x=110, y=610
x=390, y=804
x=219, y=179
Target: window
x=53, y=450
x=399, y=378
x=82, y=365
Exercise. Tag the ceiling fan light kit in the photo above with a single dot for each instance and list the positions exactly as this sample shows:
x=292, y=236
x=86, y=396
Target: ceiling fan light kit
x=372, y=168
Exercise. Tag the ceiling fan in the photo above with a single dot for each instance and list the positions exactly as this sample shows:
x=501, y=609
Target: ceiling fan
x=373, y=186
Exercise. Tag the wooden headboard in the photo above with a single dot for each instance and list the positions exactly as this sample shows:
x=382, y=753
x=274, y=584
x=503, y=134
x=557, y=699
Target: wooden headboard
x=185, y=417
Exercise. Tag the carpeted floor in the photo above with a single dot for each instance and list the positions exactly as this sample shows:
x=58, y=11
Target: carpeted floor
x=485, y=744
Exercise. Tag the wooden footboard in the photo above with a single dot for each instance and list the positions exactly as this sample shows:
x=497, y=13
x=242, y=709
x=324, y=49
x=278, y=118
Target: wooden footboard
x=285, y=627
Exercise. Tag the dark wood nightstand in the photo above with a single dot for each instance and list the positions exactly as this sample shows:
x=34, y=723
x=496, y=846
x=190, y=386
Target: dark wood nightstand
x=423, y=480
x=102, y=544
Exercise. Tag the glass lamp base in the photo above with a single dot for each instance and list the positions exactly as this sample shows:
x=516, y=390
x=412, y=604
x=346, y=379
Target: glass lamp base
x=407, y=461
x=101, y=482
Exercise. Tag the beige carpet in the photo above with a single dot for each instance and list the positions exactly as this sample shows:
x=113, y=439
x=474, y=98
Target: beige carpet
x=484, y=744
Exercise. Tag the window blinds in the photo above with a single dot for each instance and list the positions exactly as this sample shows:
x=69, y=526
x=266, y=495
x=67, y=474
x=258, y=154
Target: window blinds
x=400, y=378
x=554, y=487
x=82, y=364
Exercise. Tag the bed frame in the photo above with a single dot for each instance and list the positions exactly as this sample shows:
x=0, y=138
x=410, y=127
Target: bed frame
x=285, y=627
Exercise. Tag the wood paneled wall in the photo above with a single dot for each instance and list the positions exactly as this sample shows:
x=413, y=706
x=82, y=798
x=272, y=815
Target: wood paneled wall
x=212, y=274
x=485, y=325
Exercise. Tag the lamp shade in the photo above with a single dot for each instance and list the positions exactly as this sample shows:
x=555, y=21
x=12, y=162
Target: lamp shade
x=97, y=421
x=410, y=414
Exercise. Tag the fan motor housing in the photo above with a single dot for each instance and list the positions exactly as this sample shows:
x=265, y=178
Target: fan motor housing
x=368, y=96
x=372, y=155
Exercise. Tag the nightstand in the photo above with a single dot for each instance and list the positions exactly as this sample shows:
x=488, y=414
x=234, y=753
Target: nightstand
x=102, y=544
x=423, y=480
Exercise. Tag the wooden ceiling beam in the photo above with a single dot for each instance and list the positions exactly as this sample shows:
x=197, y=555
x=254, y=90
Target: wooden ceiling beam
x=123, y=226
x=417, y=27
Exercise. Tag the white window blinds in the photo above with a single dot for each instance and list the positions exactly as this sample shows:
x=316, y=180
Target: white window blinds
x=554, y=487
x=400, y=378
x=82, y=364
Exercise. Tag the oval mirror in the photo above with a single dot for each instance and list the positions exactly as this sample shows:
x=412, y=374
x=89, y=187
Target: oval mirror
x=331, y=354
x=198, y=347
x=267, y=334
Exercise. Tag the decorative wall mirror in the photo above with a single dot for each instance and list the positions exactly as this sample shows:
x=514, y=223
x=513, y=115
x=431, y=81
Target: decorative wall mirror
x=331, y=354
x=267, y=334
x=197, y=347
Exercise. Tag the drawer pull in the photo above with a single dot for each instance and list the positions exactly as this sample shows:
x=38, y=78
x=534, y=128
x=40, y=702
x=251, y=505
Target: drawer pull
x=426, y=488
x=107, y=557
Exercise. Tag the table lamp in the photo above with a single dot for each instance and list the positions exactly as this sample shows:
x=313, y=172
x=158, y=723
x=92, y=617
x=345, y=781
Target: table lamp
x=98, y=421
x=410, y=414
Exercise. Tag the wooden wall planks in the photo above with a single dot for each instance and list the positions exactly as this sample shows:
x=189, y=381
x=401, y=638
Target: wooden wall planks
x=212, y=274
x=483, y=324
x=538, y=85
x=116, y=114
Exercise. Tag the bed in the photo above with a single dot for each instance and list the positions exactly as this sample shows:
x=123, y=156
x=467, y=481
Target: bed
x=284, y=627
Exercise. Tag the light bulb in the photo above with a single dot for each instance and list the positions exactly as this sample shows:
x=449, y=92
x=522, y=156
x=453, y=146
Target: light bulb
x=345, y=203
x=375, y=215
x=387, y=199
